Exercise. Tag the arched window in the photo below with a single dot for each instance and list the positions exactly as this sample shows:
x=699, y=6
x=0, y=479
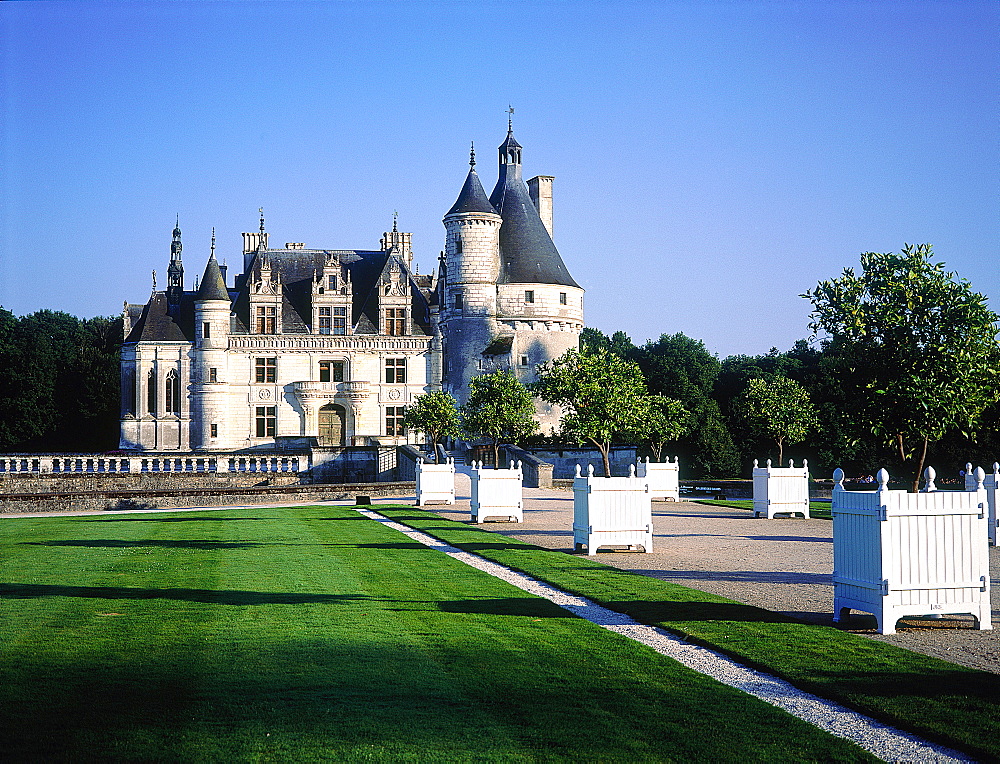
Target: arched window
x=173, y=393
x=151, y=391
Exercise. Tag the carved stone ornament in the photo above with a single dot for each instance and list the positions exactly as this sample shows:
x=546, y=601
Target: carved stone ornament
x=264, y=394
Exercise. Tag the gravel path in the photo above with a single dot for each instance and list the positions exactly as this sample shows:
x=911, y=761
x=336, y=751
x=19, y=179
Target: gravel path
x=784, y=565
x=887, y=743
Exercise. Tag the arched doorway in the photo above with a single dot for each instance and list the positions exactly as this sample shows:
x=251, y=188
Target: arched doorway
x=332, y=425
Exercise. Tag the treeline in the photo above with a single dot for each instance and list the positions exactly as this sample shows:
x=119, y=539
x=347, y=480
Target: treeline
x=59, y=382
x=720, y=443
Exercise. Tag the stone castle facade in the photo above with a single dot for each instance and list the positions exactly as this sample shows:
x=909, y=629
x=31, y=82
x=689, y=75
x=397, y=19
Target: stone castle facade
x=326, y=347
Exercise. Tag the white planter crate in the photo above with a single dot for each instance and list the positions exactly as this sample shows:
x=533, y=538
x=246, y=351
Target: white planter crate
x=780, y=490
x=897, y=553
x=497, y=493
x=611, y=511
x=435, y=482
x=991, y=483
x=662, y=477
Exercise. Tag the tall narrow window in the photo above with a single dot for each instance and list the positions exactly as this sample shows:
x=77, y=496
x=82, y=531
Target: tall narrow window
x=206, y=330
x=395, y=371
x=340, y=320
x=266, y=421
x=266, y=370
x=173, y=392
x=128, y=391
x=394, y=420
x=331, y=282
x=325, y=320
x=395, y=321
x=562, y=298
x=213, y=374
x=458, y=246
x=267, y=316
x=215, y=430
x=151, y=392
x=459, y=301
x=331, y=371
x=529, y=295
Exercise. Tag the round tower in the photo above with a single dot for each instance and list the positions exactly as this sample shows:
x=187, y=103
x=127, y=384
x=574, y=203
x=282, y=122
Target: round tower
x=208, y=369
x=469, y=298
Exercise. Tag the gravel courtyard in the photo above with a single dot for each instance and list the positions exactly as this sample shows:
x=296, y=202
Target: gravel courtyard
x=784, y=565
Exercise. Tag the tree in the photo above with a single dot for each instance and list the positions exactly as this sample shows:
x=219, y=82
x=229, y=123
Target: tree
x=680, y=367
x=779, y=408
x=603, y=395
x=666, y=419
x=917, y=347
x=436, y=414
x=499, y=408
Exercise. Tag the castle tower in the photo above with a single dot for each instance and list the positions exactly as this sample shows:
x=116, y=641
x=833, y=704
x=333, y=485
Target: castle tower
x=467, y=313
x=508, y=300
x=208, y=373
x=539, y=304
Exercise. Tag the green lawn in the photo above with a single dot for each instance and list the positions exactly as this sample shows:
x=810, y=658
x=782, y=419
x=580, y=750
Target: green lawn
x=820, y=509
x=315, y=634
x=941, y=701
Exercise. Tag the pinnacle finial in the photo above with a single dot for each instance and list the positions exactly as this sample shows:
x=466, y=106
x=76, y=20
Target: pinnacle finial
x=472, y=155
x=510, y=118
x=154, y=282
x=395, y=215
x=261, y=211
x=212, y=255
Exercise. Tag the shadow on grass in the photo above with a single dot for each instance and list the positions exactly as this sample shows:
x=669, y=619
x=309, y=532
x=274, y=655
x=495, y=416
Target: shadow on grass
x=220, y=597
x=744, y=576
x=158, y=519
x=675, y=611
x=162, y=544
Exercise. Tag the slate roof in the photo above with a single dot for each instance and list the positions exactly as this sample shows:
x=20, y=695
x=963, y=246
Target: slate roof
x=527, y=252
x=472, y=198
x=295, y=270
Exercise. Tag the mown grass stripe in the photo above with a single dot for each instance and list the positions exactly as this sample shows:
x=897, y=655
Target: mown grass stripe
x=936, y=700
x=314, y=634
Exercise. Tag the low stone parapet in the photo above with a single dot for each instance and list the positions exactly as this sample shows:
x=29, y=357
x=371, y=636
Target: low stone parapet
x=81, y=501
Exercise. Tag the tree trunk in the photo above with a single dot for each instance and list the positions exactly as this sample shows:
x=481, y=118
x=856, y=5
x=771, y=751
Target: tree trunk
x=920, y=466
x=604, y=456
x=781, y=451
x=434, y=448
x=659, y=450
x=496, y=454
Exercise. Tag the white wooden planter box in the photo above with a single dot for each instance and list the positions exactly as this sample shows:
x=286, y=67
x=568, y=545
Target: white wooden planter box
x=611, y=511
x=662, y=478
x=897, y=554
x=990, y=483
x=435, y=482
x=497, y=493
x=780, y=490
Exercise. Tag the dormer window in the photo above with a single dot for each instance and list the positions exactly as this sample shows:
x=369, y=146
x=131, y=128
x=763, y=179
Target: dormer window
x=267, y=317
x=395, y=321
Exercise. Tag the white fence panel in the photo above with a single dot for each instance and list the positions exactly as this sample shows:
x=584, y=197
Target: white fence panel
x=663, y=478
x=435, y=482
x=897, y=554
x=780, y=490
x=990, y=483
x=497, y=493
x=611, y=511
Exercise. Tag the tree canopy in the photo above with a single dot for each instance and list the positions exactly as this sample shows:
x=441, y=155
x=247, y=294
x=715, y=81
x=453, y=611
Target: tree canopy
x=916, y=347
x=435, y=414
x=602, y=395
x=779, y=408
x=499, y=408
x=666, y=420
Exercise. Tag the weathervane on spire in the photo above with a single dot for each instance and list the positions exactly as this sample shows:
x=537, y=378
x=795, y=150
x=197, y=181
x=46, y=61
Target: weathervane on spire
x=472, y=155
x=394, y=216
x=261, y=211
x=510, y=119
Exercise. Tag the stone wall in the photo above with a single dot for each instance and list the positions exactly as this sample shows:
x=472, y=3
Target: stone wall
x=80, y=501
x=142, y=481
x=564, y=460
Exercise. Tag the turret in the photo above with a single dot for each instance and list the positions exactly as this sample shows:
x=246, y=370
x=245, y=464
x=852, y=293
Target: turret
x=208, y=398
x=175, y=271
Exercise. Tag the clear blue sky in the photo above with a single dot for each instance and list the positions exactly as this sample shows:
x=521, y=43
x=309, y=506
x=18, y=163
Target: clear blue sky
x=713, y=160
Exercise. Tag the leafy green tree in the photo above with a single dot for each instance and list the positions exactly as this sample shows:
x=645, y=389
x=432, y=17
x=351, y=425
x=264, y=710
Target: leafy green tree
x=666, y=420
x=602, y=396
x=779, y=408
x=593, y=340
x=435, y=414
x=679, y=367
x=917, y=348
x=499, y=408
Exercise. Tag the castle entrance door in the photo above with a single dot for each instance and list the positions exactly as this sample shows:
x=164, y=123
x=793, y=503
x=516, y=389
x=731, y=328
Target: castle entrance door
x=332, y=419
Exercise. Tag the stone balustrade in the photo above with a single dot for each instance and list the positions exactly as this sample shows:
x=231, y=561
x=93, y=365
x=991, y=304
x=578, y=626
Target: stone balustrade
x=77, y=464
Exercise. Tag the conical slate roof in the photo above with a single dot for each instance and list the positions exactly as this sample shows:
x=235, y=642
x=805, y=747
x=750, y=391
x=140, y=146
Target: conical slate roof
x=472, y=197
x=527, y=252
x=213, y=286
